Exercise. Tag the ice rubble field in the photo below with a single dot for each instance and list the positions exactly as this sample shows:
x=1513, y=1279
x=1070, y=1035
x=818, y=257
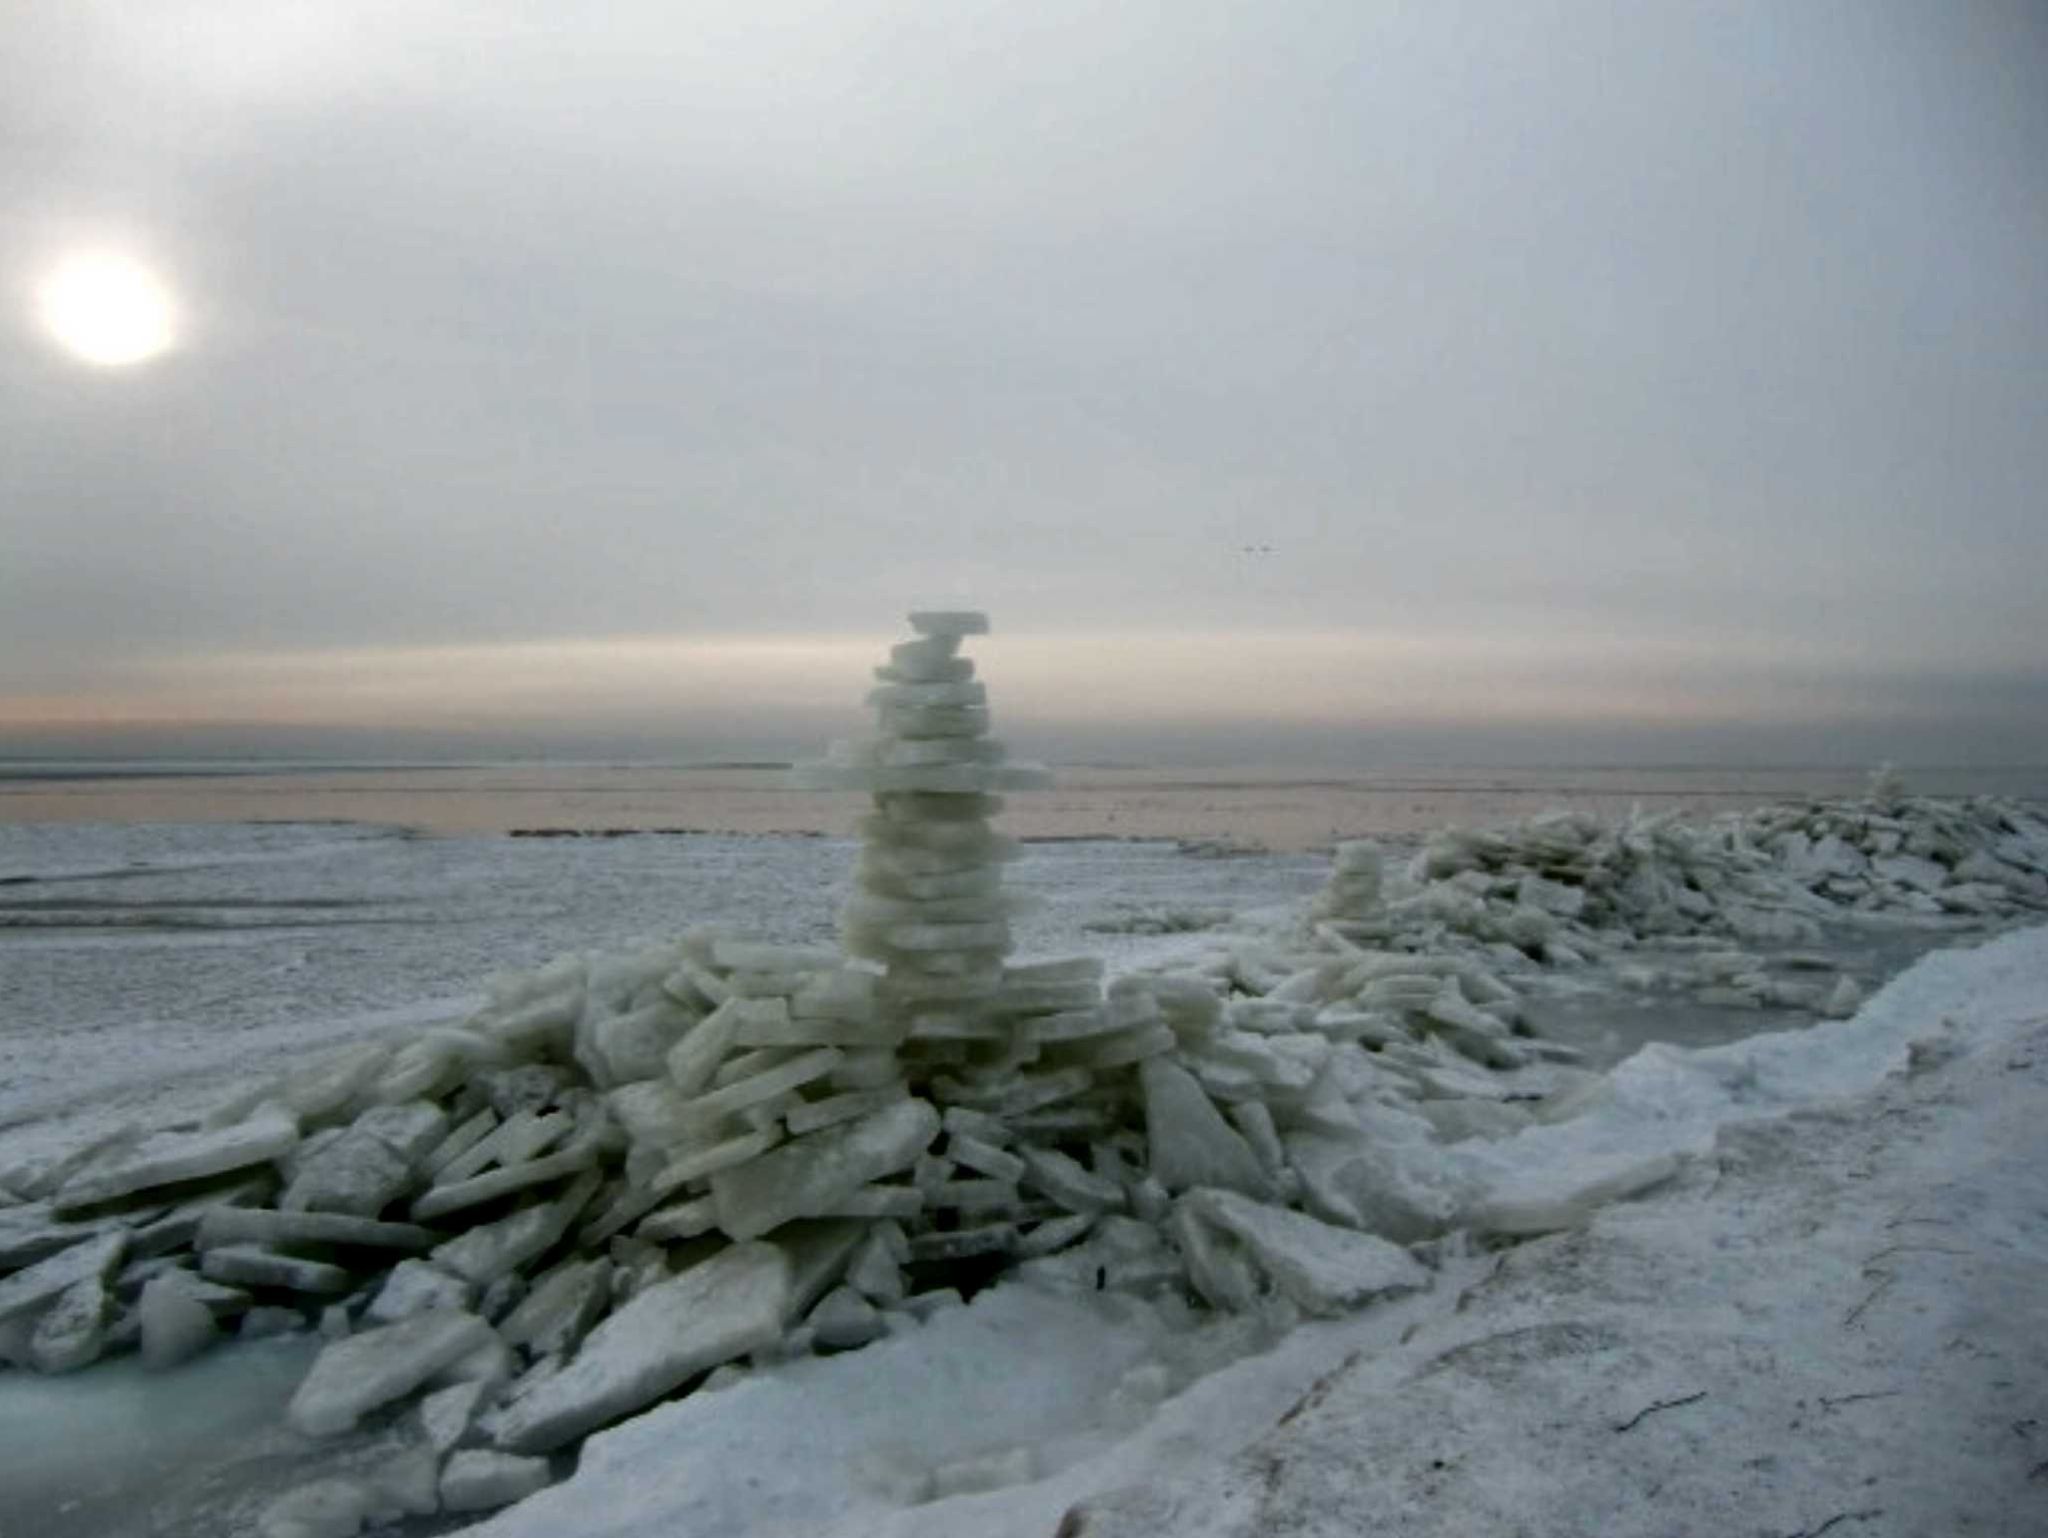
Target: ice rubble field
x=776, y=1171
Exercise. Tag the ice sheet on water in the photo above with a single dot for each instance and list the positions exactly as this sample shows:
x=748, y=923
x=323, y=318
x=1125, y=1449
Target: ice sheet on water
x=80, y=1454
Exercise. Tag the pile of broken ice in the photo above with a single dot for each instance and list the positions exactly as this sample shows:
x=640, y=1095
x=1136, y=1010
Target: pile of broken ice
x=627, y=1172
x=1698, y=906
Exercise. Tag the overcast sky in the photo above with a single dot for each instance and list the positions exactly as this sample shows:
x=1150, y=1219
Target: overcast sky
x=1657, y=379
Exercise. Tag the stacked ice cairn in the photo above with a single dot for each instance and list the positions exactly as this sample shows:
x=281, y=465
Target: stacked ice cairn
x=1016, y=1058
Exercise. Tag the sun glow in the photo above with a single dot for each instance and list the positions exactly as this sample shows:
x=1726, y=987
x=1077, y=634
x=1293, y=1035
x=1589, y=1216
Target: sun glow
x=106, y=309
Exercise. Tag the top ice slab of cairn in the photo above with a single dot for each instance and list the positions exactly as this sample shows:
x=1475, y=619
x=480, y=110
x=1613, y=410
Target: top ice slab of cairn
x=934, y=724
x=949, y=622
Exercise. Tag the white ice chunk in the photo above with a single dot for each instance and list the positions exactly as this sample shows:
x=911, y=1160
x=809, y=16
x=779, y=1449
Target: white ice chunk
x=459, y=1141
x=413, y=1128
x=709, y=1109
x=486, y=1253
x=47, y=1278
x=756, y=956
x=478, y=1189
x=693, y=1060
x=949, y=622
x=833, y=1109
x=523, y=1134
x=250, y=1265
x=172, y=1157
x=618, y=1049
x=73, y=1330
x=680, y=1220
x=261, y=1225
x=415, y=1287
x=175, y=1325
x=845, y=1319
x=480, y=1480
x=357, y=1173
x=1324, y=1269
x=726, y=1307
x=1541, y=1203
x=446, y=1415
x=352, y=1377
x=1190, y=1142
x=806, y=1177
x=326, y=1508
x=1068, y=1183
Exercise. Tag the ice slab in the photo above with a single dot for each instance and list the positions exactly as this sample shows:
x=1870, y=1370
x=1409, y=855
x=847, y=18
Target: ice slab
x=948, y=622
x=171, y=1158
x=561, y=1308
x=1545, y=1202
x=1018, y=1367
x=694, y=1059
x=47, y=1278
x=618, y=1049
x=250, y=1265
x=357, y=1173
x=459, y=1141
x=72, y=1331
x=480, y=1480
x=1324, y=1269
x=681, y=1220
x=707, y=1110
x=493, y=1184
x=175, y=1325
x=493, y=1250
x=1190, y=1142
x=282, y=1230
x=726, y=1307
x=844, y=1319
x=1068, y=1183
x=806, y=1177
x=446, y=1415
x=352, y=1377
x=523, y=1134
x=31, y=1232
x=1380, y=1184
x=335, y=1507
x=415, y=1287
x=413, y=1128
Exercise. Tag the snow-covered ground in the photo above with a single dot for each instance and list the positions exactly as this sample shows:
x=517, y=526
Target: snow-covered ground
x=1837, y=1312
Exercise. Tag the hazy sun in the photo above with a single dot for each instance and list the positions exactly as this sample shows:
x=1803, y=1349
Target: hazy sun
x=106, y=309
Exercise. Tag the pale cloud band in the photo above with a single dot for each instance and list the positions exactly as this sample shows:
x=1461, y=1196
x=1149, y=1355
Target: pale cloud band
x=1281, y=689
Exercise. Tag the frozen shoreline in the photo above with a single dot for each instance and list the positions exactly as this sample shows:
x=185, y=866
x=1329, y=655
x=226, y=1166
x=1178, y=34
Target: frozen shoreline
x=1275, y=807
x=1488, y=1404
x=1786, y=1276
x=1090, y=1395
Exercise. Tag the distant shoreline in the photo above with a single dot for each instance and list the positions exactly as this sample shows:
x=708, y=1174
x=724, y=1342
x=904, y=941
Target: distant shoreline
x=38, y=771
x=1266, y=806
